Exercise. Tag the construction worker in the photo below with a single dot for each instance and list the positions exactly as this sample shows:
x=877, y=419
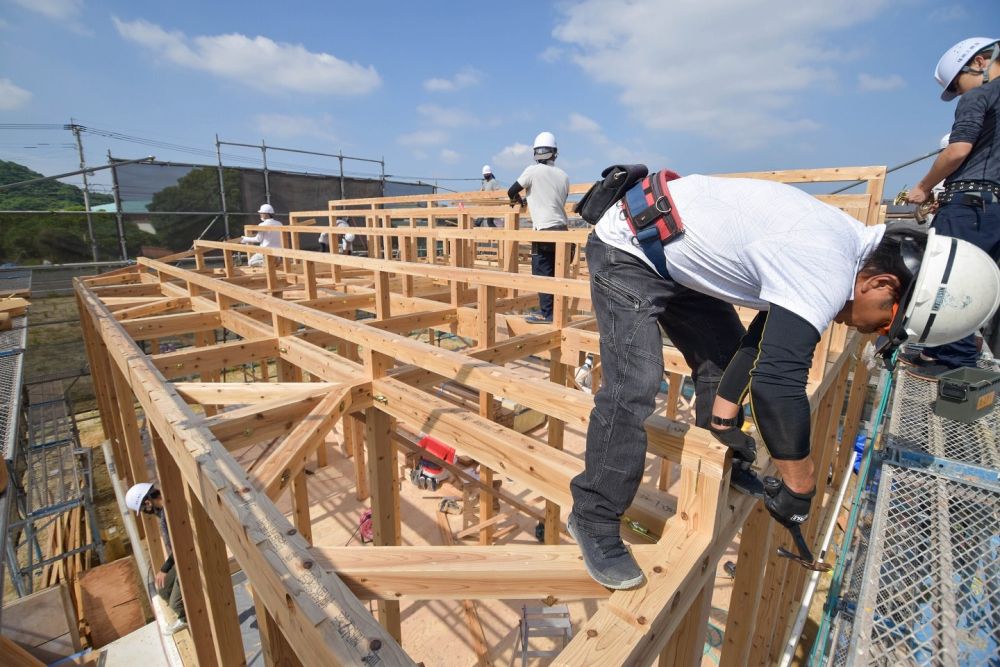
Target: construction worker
x=547, y=188
x=346, y=240
x=146, y=498
x=763, y=245
x=489, y=184
x=264, y=239
x=969, y=207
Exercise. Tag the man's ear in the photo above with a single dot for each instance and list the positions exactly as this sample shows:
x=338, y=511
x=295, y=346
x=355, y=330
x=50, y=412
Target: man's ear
x=881, y=281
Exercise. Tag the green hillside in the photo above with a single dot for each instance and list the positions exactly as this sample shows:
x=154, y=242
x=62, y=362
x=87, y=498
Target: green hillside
x=44, y=196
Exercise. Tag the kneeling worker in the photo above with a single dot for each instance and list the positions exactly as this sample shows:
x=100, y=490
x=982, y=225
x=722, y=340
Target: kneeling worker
x=803, y=264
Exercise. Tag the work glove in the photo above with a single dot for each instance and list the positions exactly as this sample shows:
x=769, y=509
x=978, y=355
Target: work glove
x=788, y=508
x=517, y=200
x=743, y=446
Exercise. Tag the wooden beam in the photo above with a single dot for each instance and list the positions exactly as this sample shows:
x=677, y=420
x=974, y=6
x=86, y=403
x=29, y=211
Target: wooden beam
x=195, y=361
x=243, y=393
x=171, y=325
x=288, y=460
x=325, y=623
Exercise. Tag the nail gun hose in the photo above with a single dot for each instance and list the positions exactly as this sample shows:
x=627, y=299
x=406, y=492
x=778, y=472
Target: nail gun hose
x=819, y=646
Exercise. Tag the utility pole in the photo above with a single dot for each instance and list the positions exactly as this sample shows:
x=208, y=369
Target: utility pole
x=86, y=189
x=267, y=184
x=222, y=188
x=118, y=209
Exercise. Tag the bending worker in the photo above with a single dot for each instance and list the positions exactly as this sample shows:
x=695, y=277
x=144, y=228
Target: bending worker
x=146, y=498
x=346, y=240
x=547, y=188
x=266, y=239
x=763, y=245
x=970, y=167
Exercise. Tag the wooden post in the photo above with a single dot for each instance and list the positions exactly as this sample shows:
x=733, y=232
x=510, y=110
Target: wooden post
x=486, y=338
x=219, y=597
x=275, y=647
x=381, y=462
x=182, y=540
x=755, y=545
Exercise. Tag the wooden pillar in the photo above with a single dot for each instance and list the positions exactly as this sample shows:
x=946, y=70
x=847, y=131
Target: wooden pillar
x=557, y=374
x=755, y=545
x=275, y=648
x=673, y=394
x=486, y=338
x=381, y=464
x=219, y=597
x=182, y=540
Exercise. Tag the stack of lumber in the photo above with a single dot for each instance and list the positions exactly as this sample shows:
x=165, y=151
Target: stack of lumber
x=9, y=309
x=71, y=530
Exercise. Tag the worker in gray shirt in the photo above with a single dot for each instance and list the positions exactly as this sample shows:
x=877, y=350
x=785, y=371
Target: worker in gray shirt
x=970, y=167
x=547, y=188
x=490, y=184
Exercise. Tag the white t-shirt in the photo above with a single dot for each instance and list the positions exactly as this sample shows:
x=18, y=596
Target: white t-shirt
x=345, y=240
x=266, y=239
x=752, y=243
x=547, y=188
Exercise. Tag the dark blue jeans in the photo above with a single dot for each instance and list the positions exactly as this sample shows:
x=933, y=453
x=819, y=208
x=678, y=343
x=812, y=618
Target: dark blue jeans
x=543, y=263
x=631, y=303
x=980, y=226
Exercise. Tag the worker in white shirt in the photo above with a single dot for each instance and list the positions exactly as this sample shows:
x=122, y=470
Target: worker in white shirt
x=346, y=240
x=547, y=188
x=679, y=253
x=266, y=239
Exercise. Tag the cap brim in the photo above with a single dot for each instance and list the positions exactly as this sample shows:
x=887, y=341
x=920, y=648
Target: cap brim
x=947, y=96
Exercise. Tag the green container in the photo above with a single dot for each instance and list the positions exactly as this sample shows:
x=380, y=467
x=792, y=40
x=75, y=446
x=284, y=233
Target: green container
x=966, y=394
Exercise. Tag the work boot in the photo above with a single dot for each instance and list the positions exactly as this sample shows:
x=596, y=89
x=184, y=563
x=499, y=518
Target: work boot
x=606, y=558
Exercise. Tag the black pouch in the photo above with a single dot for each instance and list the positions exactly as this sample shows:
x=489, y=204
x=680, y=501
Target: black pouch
x=602, y=195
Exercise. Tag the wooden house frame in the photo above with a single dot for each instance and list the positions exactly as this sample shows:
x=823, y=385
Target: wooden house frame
x=298, y=313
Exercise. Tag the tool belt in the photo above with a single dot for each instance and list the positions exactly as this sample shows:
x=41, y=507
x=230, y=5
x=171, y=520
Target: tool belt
x=651, y=215
x=971, y=193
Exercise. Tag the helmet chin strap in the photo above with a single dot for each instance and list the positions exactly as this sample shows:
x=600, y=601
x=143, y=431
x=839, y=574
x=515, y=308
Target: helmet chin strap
x=985, y=71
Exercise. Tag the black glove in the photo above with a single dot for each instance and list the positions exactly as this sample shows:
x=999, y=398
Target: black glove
x=517, y=201
x=788, y=508
x=743, y=446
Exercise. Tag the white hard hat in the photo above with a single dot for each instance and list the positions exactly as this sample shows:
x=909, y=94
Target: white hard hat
x=486, y=169
x=342, y=221
x=545, y=146
x=135, y=496
x=956, y=58
x=945, y=140
x=266, y=208
x=955, y=293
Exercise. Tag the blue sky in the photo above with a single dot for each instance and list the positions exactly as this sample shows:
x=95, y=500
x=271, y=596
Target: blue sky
x=439, y=89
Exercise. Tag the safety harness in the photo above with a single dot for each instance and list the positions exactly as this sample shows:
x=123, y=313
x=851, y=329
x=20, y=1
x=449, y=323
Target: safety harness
x=646, y=206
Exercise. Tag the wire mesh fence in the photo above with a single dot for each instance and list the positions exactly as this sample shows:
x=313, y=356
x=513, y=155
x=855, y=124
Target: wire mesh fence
x=924, y=581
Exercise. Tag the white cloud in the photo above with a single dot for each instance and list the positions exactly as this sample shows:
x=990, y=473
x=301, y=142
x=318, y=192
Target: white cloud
x=467, y=76
x=871, y=83
x=12, y=96
x=288, y=126
x=551, y=55
x=696, y=69
x=60, y=10
x=580, y=123
x=256, y=62
x=948, y=13
x=449, y=156
x=446, y=117
x=513, y=157
x=423, y=138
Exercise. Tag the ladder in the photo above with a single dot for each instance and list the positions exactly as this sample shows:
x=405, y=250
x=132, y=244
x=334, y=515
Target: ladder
x=542, y=622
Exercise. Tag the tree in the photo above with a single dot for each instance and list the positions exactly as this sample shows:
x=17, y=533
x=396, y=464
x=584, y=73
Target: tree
x=27, y=238
x=196, y=191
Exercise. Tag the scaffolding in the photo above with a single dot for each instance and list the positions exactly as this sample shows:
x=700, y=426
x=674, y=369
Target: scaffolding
x=54, y=478
x=924, y=584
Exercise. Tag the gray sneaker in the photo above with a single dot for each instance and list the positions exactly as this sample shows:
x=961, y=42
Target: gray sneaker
x=607, y=559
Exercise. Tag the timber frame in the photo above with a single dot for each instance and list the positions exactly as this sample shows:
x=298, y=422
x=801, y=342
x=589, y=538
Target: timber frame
x=297, y=316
